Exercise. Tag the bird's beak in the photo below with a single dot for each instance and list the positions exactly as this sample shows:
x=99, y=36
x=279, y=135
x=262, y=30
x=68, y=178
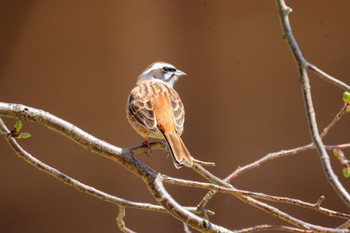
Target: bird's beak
x=180, y=73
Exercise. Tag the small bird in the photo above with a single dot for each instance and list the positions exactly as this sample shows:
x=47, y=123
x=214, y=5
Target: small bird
x=154, y=109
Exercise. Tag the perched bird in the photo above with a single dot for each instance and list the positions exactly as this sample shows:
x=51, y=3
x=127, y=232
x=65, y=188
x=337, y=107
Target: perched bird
x=155, y=110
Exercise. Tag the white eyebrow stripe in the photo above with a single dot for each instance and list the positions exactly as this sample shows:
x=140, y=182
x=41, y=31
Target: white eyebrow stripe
x=159, y=65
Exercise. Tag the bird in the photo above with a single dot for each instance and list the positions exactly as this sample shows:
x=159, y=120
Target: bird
x=154, y=110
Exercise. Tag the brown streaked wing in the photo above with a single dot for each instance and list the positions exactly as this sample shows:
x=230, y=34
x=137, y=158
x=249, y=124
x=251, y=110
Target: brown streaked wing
x=178, y=113
x=142, y=111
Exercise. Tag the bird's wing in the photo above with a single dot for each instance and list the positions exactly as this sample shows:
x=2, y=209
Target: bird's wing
x=178, y=113
x=141, y=110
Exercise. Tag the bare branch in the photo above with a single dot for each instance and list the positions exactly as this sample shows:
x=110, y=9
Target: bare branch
x=314, y=206
x=302, y=64
x=334, y=121
x=120, y=155
x=346, y=225
x=290, y=219
x=340, y=146
x=294, y=151
x=248, y=197
x=327, y=77
x=279, y=154
x=79, y=185
x=163, y=197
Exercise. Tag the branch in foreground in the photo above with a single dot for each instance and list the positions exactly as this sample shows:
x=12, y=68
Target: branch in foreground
x=302, y=64
x=79, y=185
x=120, y=155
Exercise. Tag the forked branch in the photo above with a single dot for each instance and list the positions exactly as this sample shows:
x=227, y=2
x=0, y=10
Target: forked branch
x=302, y=65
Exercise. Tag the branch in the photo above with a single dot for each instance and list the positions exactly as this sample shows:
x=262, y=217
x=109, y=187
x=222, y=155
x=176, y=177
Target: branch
x=121, y=155
x=302, y=64
x=346, y=225
x=247, y=197
x=294, y=151
x=314, y=206
x=121, y=223
x=327, y=77
x=152, y=179
x=279, y=154
x=79, y=185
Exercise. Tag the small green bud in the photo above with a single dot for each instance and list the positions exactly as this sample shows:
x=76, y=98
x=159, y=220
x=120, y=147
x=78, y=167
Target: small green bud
x=346, y=172
x=346, y=97
x=18, y=125
x=338, y=154
x=24, y=135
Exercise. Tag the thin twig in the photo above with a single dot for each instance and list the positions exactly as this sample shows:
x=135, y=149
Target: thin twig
x=345, y=225
x=145, y=147
x=340, y=146
x=186, y=228
x=204, y=163
x=313, y=206
x=294, y=151
x=327, y=77
x=339, y=115
x=319, y=202
x=120, y=221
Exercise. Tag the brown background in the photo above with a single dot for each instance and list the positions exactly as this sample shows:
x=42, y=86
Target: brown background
x=79, y=60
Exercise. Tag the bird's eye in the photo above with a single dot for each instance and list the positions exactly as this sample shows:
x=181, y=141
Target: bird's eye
x=168, y=69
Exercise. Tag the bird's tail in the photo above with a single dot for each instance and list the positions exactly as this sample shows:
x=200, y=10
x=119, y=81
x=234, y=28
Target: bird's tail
x=181, y=156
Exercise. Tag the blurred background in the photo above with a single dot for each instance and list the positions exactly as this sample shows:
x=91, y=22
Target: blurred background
x=79, y=60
